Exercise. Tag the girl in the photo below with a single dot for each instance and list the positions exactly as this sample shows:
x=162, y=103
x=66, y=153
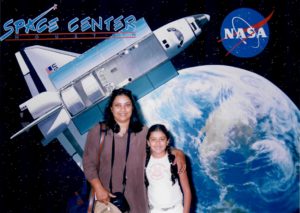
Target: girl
x=164, y=191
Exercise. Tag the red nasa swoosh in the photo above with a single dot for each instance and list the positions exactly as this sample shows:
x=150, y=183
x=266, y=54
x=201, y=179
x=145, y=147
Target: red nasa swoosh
x=255, y=26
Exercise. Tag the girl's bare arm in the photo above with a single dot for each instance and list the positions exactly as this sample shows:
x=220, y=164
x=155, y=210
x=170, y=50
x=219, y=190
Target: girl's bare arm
x=187, y=195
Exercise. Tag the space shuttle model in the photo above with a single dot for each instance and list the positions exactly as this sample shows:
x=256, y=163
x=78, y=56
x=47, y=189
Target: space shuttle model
x=70, y=91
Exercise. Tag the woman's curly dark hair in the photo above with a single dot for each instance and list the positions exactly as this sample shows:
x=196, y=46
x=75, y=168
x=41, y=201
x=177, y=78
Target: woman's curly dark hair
x=135, y=124
x=171, y=157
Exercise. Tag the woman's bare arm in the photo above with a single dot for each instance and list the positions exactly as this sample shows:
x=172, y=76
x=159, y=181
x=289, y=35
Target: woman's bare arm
x=179, y=160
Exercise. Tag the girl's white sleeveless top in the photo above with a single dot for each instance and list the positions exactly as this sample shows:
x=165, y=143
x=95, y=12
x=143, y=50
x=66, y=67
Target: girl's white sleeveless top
x=161, y=191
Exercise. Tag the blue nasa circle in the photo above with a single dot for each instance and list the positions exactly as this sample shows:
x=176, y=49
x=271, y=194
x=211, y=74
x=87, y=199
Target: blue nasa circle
x=243, y=34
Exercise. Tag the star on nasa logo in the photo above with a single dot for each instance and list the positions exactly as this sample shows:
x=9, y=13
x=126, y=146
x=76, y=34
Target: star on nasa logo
x=245, y=33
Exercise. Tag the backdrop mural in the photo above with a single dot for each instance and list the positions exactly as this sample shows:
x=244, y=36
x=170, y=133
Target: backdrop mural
x=233, y=108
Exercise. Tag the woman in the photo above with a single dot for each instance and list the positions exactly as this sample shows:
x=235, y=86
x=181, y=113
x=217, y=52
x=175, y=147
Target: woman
x=122, y=124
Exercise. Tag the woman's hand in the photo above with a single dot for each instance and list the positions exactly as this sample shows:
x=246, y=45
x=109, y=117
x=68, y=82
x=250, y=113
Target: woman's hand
x=179, y=160
x=103, y=195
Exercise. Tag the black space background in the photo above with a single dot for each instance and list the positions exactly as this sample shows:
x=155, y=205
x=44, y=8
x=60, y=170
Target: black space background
x=34, y=178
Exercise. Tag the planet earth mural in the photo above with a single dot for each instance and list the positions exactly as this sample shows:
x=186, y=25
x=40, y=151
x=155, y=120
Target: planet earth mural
x=240, y=133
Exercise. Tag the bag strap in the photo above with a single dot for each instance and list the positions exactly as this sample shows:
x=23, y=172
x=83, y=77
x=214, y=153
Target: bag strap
x=113, y=158
x=102, y=132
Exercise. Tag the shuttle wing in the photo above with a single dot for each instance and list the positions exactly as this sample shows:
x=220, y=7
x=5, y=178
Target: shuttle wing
x=38, y=62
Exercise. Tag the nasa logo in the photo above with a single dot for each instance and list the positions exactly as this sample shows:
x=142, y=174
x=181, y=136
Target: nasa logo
x=245, y=33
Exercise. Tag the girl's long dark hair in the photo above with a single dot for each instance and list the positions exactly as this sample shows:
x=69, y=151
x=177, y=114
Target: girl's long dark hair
x=171, y=157
x=135, y=124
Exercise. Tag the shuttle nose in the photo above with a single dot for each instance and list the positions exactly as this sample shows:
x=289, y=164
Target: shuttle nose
x=197, y=22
